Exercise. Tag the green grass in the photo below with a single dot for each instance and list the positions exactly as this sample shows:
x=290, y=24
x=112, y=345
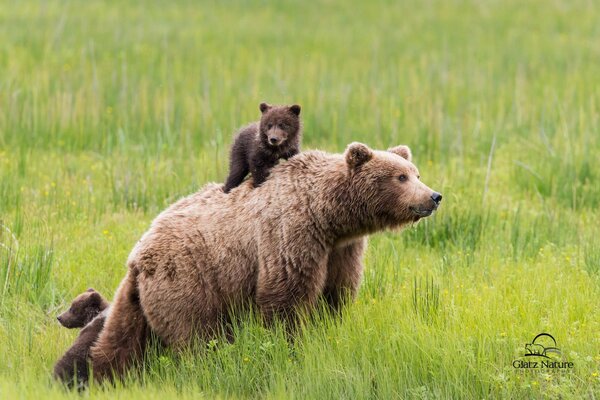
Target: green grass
x=110, y=111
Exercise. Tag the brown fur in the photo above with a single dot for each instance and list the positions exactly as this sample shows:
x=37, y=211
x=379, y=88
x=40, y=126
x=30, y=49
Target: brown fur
x=298, y=237
x=258, y=147
x=87, y=311
x=123, y=341
x=84, y=308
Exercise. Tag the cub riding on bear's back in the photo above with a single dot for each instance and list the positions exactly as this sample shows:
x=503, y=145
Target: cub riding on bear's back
x=258, y=146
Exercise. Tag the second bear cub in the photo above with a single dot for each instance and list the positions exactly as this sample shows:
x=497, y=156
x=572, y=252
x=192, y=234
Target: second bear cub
x=88, y=311
x=259, y=146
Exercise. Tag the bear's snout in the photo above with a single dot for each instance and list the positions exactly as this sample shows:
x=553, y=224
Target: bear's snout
x=428, y=207
x=276, y=137
x=436, y=197
x=66, y=320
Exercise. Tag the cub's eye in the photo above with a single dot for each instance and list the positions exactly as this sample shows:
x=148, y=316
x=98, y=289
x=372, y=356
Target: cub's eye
x=403, y=178
x=282, y=126
x=419, y=177
x=269, y=126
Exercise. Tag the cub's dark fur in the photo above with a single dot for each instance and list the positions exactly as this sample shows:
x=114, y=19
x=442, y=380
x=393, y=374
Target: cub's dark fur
x=88, y=310
x=259, y=146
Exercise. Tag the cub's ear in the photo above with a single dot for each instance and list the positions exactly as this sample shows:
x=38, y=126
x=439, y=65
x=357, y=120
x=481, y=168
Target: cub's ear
x=91, y=290
x=264, y=107
x=402, y=151
x=94, y=298
x=358, y=154
x=295, y=109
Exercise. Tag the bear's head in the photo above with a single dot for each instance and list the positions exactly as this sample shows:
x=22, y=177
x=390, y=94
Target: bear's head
x=533, y=348
x=279, y=124
x=388, y=187
x=83, y=309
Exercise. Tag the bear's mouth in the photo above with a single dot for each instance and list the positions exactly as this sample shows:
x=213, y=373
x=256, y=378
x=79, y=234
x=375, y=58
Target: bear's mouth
x=422, y=212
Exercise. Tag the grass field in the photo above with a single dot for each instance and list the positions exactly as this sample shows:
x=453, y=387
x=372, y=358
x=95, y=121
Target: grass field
x=110, y=111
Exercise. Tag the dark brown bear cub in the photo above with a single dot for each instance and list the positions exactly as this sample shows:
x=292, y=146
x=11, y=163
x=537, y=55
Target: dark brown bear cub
x=88, y=311
x=259, y=146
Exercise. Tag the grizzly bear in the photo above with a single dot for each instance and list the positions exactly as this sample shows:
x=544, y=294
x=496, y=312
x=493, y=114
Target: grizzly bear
x=258, y=146
x=88, y=310
x=297, y=238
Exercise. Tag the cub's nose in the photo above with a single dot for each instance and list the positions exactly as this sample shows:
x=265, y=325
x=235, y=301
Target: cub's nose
x=436, y=197
x=273, y=140
x=59, y=318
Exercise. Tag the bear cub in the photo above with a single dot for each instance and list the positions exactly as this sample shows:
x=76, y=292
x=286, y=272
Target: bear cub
x=87, y=311
x=260, y=145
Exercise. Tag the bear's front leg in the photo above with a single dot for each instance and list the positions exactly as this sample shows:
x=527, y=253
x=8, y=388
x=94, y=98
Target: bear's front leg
x=344, y=273
x=261, y=167
x=291, y=153
x=238, y=168
x=290, y=280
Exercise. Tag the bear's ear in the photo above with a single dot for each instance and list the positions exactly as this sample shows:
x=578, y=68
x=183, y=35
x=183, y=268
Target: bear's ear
x=295, y=109
x=94, y=298
x=402, y=151
x=358, y=154
x=90, y=290
x=264, y=107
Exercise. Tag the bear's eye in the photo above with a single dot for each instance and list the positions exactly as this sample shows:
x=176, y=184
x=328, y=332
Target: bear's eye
x=403, y=178
x=419, y=177
x=269, y=126
x=282, y=126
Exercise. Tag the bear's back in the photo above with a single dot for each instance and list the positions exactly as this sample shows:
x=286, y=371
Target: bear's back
x=214, y=226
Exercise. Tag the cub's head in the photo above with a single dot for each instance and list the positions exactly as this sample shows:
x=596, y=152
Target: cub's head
x=388, y=186
x=279, y=124
x=83, y=309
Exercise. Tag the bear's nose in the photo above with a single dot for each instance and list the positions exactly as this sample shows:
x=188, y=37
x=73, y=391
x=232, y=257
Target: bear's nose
x=59, y=318
x=436, y=197
x=273, y=140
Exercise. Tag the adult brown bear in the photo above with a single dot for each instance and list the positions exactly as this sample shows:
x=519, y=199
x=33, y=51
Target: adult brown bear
x=297, y=237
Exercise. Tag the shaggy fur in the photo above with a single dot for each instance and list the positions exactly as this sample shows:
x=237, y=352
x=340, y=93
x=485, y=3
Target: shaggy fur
x=298, y=237
x=84, y=308
x=88, y=310
x=258, y=147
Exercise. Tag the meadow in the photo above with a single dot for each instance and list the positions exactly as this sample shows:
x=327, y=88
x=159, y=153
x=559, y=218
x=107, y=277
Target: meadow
x=110, y=111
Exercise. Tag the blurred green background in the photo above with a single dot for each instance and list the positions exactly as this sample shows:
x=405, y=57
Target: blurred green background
x=110, y=111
